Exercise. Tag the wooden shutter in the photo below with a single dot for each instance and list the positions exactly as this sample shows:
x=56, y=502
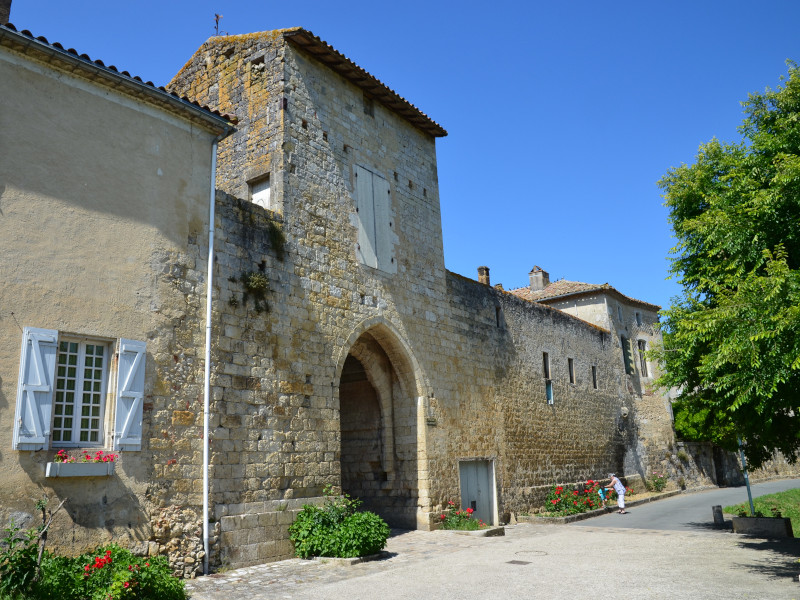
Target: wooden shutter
x=35, y=389
x=384, y=225
x=366, y=250
x=130, y=395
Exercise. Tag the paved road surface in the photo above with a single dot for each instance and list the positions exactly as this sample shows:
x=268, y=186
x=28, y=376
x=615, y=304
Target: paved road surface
x=606, y=557
x=687, y=512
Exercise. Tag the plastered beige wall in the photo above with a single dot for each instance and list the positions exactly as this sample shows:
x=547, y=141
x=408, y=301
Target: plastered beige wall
x=100, y=197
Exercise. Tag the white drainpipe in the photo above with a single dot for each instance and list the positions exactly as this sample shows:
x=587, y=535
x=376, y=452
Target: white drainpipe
x=207, y=375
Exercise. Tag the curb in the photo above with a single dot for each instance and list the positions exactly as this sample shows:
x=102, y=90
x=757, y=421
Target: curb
x=347, y=562
x=497, y=530
x=593, y=513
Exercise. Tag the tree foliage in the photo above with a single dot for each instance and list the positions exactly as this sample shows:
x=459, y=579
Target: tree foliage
x=732, y=339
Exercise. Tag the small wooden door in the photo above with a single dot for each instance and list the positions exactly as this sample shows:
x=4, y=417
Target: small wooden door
x=477, y=488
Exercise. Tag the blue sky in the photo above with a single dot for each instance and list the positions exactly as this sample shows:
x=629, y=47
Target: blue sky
x=561, y=116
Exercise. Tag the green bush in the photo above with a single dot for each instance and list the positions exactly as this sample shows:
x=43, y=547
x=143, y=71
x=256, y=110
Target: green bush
x=337, y=529
x=108, y=573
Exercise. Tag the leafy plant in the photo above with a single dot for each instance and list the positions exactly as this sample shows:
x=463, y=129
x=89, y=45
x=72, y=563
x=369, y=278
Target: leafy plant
x=18, y=561
x=337, y=529
x=29, y=572
x=732, y=339
x=682, y=455
x=657, y=482
x=569, y=501
x=460, y=519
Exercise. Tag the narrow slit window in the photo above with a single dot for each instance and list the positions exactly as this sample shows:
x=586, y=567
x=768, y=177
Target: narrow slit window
x=571, y=369
x=548, y=391
x=546, y=365
x=594, y=377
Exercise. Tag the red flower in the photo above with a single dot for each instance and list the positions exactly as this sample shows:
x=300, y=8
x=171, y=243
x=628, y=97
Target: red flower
x=470, y=511
x=554, y=501
x=126, y=584
x=575, y=493
x=443, y=518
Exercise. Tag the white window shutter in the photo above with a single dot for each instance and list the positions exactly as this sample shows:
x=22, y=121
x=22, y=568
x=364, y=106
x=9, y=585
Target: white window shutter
x=130, y=395
x=35, y=389
x=384, y=226
x=366, y=250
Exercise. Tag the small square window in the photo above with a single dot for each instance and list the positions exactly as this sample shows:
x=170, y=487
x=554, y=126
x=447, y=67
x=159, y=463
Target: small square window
x=260, y=192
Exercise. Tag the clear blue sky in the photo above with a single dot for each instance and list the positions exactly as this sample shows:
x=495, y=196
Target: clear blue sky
x=561, y=115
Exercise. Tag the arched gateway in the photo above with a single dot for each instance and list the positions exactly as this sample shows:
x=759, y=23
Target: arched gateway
x=382, y=404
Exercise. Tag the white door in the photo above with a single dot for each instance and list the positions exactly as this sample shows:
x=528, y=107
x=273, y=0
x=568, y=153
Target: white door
x=477, y=488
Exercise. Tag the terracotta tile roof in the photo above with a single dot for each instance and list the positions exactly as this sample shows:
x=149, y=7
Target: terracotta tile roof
x=95, y=70
x=338, y=62
x=557, y=290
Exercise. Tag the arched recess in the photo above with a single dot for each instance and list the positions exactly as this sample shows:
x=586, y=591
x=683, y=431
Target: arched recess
x=382, y=405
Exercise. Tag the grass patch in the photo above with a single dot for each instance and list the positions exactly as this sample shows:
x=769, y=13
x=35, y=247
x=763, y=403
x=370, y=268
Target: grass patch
x=784, y=504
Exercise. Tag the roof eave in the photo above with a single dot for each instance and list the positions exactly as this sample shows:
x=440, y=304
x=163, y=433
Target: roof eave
x=25, y=43
x=338, y=62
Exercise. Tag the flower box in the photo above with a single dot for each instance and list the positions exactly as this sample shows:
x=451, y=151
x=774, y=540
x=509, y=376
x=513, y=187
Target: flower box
x=79, y=469
x=765, y=527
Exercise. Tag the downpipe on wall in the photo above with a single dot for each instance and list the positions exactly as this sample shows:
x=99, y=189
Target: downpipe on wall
x=207, y=373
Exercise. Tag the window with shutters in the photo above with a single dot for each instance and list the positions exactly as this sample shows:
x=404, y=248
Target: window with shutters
x=67, y=384
x=375, y=244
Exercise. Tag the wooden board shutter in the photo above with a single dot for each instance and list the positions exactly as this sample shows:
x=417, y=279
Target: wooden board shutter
x=35, y=389
x=130, y=395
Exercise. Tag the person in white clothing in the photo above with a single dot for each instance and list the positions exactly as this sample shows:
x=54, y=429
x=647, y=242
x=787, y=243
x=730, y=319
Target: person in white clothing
x=617, y=486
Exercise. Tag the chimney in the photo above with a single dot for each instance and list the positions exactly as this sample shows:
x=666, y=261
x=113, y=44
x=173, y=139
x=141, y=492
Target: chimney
x=5, y=11
x=540, y=279
x=483, y=275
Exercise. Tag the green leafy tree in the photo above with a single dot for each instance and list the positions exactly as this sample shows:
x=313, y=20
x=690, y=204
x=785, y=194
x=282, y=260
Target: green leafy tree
x=732, y=339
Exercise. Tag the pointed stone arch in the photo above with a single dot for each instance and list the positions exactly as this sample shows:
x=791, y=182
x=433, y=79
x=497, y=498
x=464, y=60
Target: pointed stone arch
x=382, y=396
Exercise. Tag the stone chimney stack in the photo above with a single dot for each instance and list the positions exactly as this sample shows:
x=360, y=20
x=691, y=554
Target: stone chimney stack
x=483, y=275
x=5, y=11
x=540, y=279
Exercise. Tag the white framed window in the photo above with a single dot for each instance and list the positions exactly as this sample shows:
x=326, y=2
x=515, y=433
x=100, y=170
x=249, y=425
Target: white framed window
x=260, y=192
x=63, y=391
x=81, y=389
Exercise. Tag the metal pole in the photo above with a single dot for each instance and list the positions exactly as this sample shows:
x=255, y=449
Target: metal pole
x=746, y=478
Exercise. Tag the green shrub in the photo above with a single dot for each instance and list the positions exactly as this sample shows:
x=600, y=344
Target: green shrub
x=18, y=566
x=657, y=482
x=337, y=529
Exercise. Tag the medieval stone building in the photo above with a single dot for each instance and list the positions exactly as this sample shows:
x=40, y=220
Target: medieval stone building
x=343, y=353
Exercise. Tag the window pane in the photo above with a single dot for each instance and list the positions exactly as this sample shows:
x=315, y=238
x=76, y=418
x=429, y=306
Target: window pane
x=90, y=378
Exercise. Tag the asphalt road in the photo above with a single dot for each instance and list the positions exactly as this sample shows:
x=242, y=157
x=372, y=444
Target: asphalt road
x=686, y=512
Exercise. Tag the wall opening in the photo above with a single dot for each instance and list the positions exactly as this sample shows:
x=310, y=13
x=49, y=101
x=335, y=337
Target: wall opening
x=378, y=424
